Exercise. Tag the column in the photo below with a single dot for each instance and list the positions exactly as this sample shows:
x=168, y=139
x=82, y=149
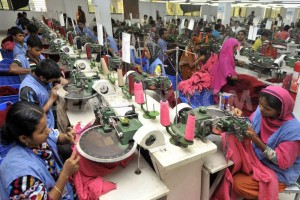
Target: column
x=103, y=16
x=290, y=16
x=224, y=12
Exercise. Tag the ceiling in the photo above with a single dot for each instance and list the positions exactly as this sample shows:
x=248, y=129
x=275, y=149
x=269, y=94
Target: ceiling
x=248, y=3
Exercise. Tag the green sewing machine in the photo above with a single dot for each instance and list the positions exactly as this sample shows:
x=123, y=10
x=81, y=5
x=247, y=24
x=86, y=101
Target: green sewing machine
x=206, y=120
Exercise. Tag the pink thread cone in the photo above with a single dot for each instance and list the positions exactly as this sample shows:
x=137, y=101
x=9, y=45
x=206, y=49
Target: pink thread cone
x=190, y=127
x=164, y=113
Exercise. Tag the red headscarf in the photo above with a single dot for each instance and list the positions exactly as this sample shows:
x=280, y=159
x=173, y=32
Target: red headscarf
x=270, y=125
x=226, y=66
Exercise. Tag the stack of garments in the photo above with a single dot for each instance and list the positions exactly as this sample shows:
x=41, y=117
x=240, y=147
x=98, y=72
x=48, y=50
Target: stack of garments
x=199, y=81
x=210, y=62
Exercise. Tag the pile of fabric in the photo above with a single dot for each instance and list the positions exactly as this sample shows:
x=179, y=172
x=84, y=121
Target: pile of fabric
x=199, y=81
x=245, y=160
x=88, y=179
x=210, y=62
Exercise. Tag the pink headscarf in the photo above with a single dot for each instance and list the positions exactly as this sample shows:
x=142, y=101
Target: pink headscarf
x=225, y=67
x=270, y=125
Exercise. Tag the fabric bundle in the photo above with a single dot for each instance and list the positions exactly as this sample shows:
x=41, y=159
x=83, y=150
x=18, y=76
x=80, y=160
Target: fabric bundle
x=7, y=90
x=199, y=81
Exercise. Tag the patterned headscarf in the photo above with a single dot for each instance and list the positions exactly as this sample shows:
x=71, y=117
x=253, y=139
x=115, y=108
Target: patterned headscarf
x=154, y=50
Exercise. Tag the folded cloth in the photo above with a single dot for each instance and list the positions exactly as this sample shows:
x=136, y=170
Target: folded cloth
x=7, y=90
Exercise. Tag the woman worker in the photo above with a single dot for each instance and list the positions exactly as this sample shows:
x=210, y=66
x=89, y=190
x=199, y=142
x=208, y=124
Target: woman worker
x=32, y=168
x=276, y=141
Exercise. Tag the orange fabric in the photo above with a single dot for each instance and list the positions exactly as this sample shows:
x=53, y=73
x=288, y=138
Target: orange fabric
x=246, y=187
x=186, y=69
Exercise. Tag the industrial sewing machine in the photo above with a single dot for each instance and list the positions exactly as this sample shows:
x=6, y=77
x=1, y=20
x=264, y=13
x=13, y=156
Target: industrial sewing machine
x=207, y=120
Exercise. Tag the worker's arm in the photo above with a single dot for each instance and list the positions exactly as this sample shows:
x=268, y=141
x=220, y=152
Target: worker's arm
x=52, y=99
x=15, y=68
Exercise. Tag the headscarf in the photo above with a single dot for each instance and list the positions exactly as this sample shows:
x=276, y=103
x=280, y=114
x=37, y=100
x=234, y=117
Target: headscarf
x=270, y=125
x=154, y=50
x=226, y=66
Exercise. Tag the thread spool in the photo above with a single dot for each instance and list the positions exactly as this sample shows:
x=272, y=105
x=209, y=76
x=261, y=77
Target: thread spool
x=78, y=44
x=200, y=36
x=70, y=38
x=131, y=85
x=104, y=67
x=120, y=78
x=164, y=113
x=88, y=51
x=139, y=93
x=190, y=127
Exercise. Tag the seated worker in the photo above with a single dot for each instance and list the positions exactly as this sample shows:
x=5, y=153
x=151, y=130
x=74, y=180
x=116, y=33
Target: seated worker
x=275, y=138
x=268, y=50
x=33, y=30
x=192, y=60
x=20, y=47
x=236, y=28
x=241, y=37
x=38, y=87
x=153, y=66
x=81, y=29
x=216, y=32
x=284, y=34
x=259, y=41
x=32, y=168
x=23, y=64
x=111, y=42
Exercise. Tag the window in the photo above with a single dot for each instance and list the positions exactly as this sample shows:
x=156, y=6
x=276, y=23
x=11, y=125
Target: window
x=34, y=5
x=272, y=12
x=116, y=7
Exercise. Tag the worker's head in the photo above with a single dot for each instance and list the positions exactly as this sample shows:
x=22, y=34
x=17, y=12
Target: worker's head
x=252, y=12
x=95, y=30
x=163, y=33
x=79, y=7
x=35, y=46
x=151, y=51
x=264, y=35
x=241, y=35
x=145, y=17
x=219, y=21
x=24, y=14
x=48, y=71
x=286, y=28
x=275, y=102
x=237, y=23
x=32, y=29
x=17, y=34
x=217, y=27
x=25, y=124
x=80, y=24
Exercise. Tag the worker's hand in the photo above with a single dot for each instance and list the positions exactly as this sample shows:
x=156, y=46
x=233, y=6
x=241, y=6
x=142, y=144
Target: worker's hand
x=238, y=112
x=53, y=95
x=63, y=81
x=66, y=138
x=71, y=165
x=251, y=133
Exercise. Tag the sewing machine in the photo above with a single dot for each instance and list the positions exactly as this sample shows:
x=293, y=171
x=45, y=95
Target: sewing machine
x=207, y=120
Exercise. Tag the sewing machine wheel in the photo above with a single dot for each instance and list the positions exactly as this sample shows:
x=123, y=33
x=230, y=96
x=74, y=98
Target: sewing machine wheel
x=182, y=107
x=66, y=49
x=81, y=66
x=98, y=146
x=74, y=92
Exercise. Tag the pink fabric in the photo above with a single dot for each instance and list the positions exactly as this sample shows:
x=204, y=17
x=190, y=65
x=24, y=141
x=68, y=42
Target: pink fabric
x=225, y=66
x=88, y=179
x=283, y=35
x=8, y=45
x=198, y=81
x=245, y=160
x=210, y=62
x=287, y=153
x=270, y=125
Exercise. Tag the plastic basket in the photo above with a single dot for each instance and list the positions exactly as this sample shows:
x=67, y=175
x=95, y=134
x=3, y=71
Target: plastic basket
x=11, y=98
x=204, y=98
x=7, y=54
x=173, y=80
x=4, y=64
x=9, y=80
x=4, y=105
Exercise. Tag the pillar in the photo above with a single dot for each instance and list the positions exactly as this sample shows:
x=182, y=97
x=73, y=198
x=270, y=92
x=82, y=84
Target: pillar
x=103, y=16
x=224, y=12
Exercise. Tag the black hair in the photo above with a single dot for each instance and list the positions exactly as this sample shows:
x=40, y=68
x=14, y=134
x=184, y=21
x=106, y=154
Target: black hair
x=161, y=32
x=208, y=30
x=286, y=27
x=219, y=20
x=48, y=69
x=34, y=41
x=33, y=29
x=21, y=119
x=123, y=23
x=265, y=33
x=20, y=15
x=217, y=27
x=15, y=30
x=145, y=15
x=24, y=22
x=95, y=29
x=242, y=31
x=24, y=13
x=81, y=21
x=152, y=22
x=272, y=101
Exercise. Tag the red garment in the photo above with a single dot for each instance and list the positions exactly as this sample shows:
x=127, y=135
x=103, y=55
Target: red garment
x=7, y=90
x=247, y=90
x=3, y=114
x=245, y=160
x=199, y=81
x=88, y=179
x=210, y=62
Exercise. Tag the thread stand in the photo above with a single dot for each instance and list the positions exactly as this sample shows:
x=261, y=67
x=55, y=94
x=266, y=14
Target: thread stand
x=149, y=114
